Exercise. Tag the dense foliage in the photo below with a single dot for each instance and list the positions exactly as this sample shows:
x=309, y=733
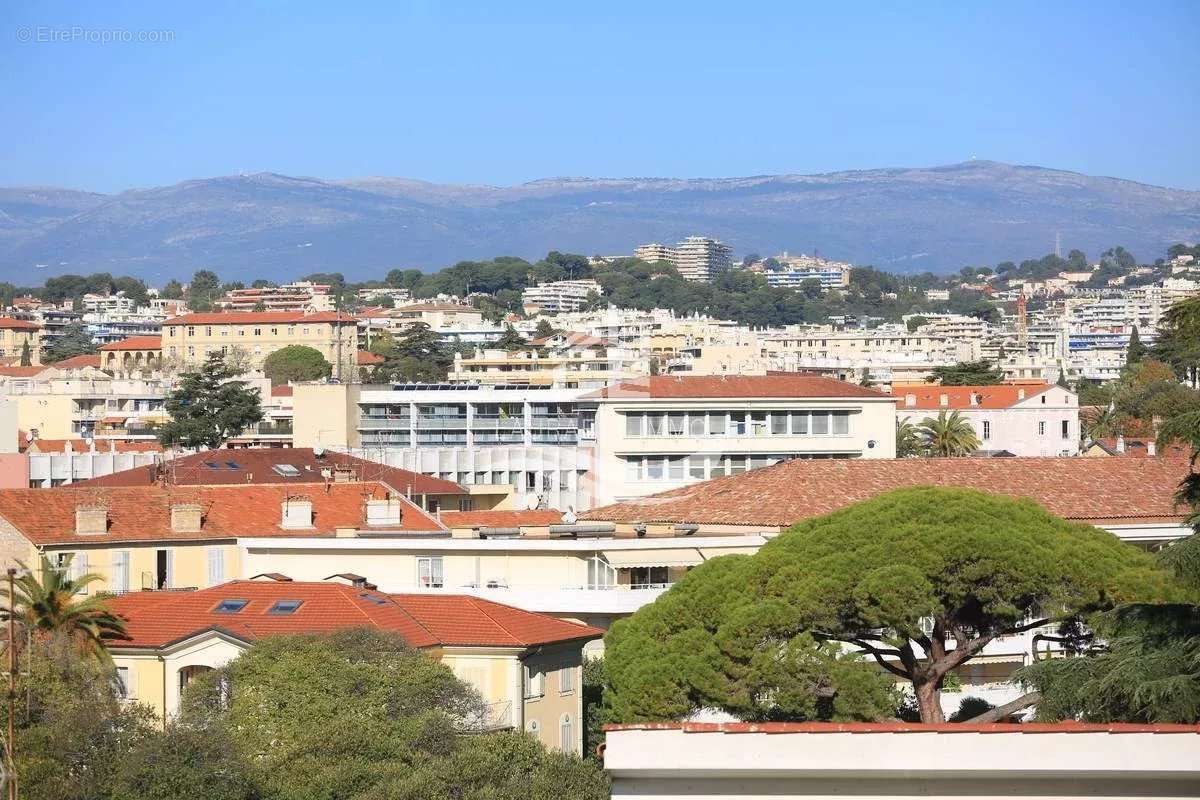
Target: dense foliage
x=936, y=572
x=74, y=341
x=418, y=354
x=967, y=373
x=209, y=406
x=296, y=363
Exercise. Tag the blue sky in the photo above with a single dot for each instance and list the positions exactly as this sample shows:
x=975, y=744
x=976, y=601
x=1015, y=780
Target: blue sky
x=502, y=93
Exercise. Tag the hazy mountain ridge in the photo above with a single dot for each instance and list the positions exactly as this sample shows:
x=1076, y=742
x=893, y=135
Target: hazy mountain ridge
x=277, y=226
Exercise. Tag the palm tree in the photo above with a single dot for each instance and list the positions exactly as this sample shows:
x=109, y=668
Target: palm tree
x=52, y=607
x=908, y=440
x=949, y=435
x=1101, y=424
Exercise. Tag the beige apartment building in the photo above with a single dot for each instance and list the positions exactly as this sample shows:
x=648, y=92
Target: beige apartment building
x=576, y=361
x=14, y=335
x=187, y=340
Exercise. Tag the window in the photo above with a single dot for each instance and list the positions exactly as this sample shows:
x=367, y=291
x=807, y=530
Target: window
x=648, y=577
x=716, y=424
x=779, y=423
x=737, y=423
x=675, y=468
x=285, y=606
x=633, y=469
x=675, y=423
x=1066, y=429
x=601, y=574
x=216, y=566
x=633, y=425
x=120, y=571
x=654, y=469
x=429, y=572
x=121, y=683
x=1042, y=428
x=799, y=422
x=820, y=423
x=695, y=425
x=841, y=423
x=535, y=682
x=566, y=680
x=230, y=606
x=654, y=424
x=566, y=734
x=987, y=429
x=696, y=467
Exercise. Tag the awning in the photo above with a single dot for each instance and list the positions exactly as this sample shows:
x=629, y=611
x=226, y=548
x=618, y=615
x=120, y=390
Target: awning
x=713, y=552
x=679, y=557
x=114, y=419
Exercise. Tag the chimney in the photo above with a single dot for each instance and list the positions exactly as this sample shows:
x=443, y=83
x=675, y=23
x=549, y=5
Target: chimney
x=1020, y=394
x=382, y=513
x=1120, y=444
x=1151, y=447
x=943, y=401
x=910, y=400
x=186, y=517
x=297, y=513
x=975, y=399
x=91, y=520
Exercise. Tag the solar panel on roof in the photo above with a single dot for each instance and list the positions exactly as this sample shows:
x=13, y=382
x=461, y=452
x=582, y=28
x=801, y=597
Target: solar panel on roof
x=233, y=465
x=212, y=465
x=286, y=470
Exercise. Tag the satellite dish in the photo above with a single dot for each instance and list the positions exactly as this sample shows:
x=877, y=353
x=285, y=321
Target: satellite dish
x=570, y=518
x=531, y=501
x=318, y=451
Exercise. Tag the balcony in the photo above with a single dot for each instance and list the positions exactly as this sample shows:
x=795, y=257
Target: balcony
x=560, y=422
x=488, y=422
x=443, y=423
x=267, y=429
x=370, y=422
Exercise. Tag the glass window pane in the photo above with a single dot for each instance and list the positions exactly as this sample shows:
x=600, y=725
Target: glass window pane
x=716, y=424
x=799, y=422
x=779, y=422
x=676, y=468
x=675, y=424
x=841, y=423
x=654, y=424
x=697, y=465
x=696, y=425
x=654, y=469
x=633, y=424
x=820, y=423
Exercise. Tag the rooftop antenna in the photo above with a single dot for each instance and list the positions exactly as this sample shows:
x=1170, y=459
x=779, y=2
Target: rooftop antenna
x=1057, y=244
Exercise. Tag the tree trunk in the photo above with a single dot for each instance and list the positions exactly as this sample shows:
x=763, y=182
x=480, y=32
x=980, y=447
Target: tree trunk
x=1000, y=712
x=929, y=702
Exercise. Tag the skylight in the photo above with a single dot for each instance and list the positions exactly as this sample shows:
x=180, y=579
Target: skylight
x=285, y=606
x=211, y=465
x=232, y=465
x=286, y=470
x=230, y=606
x=374, y=598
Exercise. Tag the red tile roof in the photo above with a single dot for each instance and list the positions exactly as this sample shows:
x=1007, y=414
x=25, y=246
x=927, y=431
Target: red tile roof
x=1084, y=489
x=82, y=445
x=154, y=619
x=929, y=397
x=17, y=324
x=134, y=343
x=285, y=390
x=367, y=358
x=500, y=519
x=264, y=317
x=255, y=465
x=907, y=727
x=1138, y=448
x=78, y=362
x=23, y=372
x=143, y=513
x=775, y=385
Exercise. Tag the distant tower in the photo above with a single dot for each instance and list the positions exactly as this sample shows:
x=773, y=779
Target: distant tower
x=1058, y=244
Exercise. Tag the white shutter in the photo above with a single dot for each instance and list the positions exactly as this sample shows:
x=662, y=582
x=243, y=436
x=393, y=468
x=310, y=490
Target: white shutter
x=119, y=581
x=170, y=569
x=79, y=568
x=216, y=566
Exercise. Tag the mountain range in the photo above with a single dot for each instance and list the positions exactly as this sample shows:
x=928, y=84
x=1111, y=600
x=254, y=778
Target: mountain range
x=278, y=227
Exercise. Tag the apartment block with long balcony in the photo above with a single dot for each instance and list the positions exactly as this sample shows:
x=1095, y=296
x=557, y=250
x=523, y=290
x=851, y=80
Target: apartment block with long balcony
x=664, y=432
x=698, y=258
x=558, y=296
x=187, y=340
x=575, y=364
x=301, y=296
x=87, y=408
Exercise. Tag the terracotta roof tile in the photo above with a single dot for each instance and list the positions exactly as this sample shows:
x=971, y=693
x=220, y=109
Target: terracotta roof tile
x=779, y=384
x=264, y=317
x=23, y=372
x=499, y=519
x=17, y=324
x=154, y=619
x=134, y=343
x=929, y=397
x=257, y=465
x=1085, y=489
x=78, y=362
x=143, y=513
x=367, y=358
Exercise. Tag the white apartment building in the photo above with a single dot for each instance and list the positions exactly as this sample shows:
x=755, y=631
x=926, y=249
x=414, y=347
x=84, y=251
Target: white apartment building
x=663, y=432
x=698, y=258
x=1025, y=419
x=302, y=296
x=556, y=297
x=108, y=304
x=797, y=269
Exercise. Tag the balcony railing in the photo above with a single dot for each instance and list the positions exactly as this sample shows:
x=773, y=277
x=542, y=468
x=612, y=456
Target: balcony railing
x=555, y=422
x=490, y=423
x=454, y=423
x=271, y=430
x=369, y=421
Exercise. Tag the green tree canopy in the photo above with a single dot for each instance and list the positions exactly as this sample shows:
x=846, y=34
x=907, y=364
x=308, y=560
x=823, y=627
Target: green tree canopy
x=203, y=291
x=74, y=341
x=919, y=579
x=296, y=363
x=510, y=340
x=417, y=355
x=52, y=603
x=1136, y=350
x=1178, y=340
x=966, y=373
x=209, y=406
